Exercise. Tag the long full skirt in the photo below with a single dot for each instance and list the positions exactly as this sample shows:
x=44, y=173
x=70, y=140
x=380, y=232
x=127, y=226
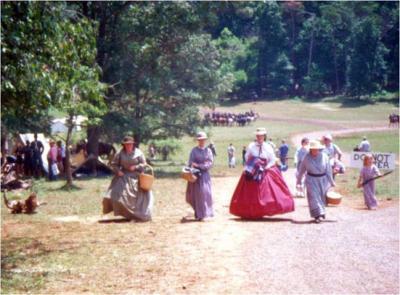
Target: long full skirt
x=199, y=196
x=269, y=197
x=126, y=199
x=317, y=187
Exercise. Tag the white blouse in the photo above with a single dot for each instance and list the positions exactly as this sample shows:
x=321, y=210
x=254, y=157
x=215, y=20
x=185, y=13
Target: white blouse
x=266, y=152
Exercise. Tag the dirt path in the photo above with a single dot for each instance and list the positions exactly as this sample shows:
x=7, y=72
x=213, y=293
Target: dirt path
x=353, y=251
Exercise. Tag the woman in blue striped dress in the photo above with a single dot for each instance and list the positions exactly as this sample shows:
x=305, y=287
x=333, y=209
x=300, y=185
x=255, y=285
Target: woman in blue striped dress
x=318, y=179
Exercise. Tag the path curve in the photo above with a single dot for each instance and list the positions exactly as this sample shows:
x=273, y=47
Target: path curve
x=296, y=139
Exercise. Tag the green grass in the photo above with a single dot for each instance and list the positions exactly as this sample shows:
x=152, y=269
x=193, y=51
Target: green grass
x=39, y=253
x=385, y=142
x=333, y=109
x=382, y=141
x=386, y=187
x=222, y=137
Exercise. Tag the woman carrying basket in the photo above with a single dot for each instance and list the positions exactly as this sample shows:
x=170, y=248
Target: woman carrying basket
x=198, y=193
x=124, y=196
x=319, y=179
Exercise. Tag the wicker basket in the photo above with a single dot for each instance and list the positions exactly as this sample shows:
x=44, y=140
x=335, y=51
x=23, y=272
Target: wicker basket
x=333, y=198
x=146, y=180
x=188, y=175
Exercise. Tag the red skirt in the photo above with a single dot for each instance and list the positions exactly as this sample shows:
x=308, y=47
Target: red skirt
x=270, y=196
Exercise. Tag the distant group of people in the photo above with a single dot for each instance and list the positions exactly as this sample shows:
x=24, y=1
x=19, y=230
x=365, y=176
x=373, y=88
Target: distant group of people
x=230, y=119
x=29, y=162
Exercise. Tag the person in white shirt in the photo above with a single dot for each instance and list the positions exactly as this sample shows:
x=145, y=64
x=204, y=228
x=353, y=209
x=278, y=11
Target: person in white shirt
x=364, y=145
x=261, y=189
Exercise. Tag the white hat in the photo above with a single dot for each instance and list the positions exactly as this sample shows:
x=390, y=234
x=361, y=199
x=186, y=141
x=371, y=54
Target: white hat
x=315, y=145
x=201, y=135
x=261, y=131
x=328, y=136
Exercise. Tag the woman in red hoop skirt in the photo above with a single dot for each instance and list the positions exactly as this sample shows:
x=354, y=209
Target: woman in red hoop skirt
x=261, y=189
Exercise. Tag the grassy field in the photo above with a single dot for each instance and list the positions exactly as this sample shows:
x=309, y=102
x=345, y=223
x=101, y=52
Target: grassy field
x=64, y=247
x=222, y=137
x=330, y=109
x=383, y=141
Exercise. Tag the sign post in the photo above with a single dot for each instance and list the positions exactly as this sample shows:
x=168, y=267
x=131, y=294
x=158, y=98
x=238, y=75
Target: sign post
x=386, y=161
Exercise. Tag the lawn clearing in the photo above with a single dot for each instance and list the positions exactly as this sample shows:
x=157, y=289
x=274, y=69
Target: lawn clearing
x=69, y=247
x=329, y=109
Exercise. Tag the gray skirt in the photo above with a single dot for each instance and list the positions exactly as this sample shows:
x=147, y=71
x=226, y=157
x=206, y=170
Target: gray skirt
x=126, y=199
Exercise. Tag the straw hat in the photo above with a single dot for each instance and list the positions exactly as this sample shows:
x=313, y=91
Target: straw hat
x=201, y=135
x=261, y=131
x=127, y=139
x=315, y=145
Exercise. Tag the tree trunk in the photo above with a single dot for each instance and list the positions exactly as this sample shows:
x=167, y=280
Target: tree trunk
x=4, y=144
x=68, y=172
x=92, y=146
x=93, y=137
x=336, y=68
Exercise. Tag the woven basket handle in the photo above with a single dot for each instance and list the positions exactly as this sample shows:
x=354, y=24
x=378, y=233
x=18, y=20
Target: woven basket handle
x=151, y=169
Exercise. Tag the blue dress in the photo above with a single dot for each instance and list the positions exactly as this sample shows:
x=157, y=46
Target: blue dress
x=318, y=180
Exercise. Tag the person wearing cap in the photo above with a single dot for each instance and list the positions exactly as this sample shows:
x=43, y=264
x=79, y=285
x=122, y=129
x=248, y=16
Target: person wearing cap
x=124, y=195
x=332, y=150
x=301, y=152
x=198, y=194
x=316, y=167
x=261, y=189
x=364, y=145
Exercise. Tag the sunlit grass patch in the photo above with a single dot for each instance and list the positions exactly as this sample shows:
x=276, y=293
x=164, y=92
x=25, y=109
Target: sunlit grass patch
x=386, y=187
x=382, y=141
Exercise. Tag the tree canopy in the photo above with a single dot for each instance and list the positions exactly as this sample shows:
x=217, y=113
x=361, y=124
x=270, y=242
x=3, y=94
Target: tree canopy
x=148, y=66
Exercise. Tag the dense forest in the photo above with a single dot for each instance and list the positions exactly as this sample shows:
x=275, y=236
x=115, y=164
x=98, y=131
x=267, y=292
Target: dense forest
x=146, y=67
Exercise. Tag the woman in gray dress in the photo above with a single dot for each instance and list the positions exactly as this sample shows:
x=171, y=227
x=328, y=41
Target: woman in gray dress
x=124, y=195
x=198, y=194
x=318, y=179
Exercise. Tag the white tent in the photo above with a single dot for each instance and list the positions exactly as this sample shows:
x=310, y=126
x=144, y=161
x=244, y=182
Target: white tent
x=59, y=125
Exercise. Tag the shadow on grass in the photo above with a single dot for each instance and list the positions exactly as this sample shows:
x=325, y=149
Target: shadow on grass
x=65, y=188
x=345, y=101
x=352, y=102
x=17, y=253
x=115, y=220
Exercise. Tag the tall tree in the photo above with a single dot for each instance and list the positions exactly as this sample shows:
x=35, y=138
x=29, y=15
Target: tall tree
x=159, y=65
x=233, y=54
x=367, y=66
x=273, y=66
x=48, y=59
